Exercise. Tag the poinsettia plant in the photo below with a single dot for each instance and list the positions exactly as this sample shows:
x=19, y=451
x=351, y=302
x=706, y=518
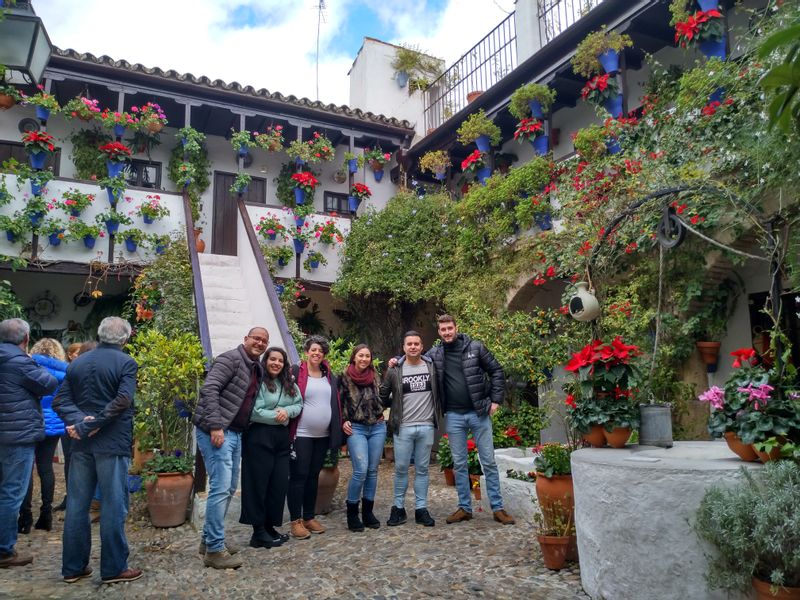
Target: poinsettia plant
x=473, y=162
x=38, y=141
x=527, y=129
x=700, y=27
x=360, y=191
x=115, y=152
x=305, y=181
x=600, y=89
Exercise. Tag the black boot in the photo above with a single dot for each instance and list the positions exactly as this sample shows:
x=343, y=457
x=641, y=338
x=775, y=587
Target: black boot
x=25, y=521
x=423, y=517
x=45, y=520
x=366, y=514
x=62, y=506
x=397, y=517
x=353, y=522
x=261, y=539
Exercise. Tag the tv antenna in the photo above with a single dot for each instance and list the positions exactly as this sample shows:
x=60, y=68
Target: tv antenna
x=321, y=18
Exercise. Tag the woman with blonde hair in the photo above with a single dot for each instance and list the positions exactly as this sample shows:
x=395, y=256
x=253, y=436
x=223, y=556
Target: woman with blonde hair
x=49, y=354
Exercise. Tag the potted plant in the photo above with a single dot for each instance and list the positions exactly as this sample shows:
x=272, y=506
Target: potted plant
x=35, y=210
x=304, y=184
x=112, y=220
x=353, y=162
x=271, y=140
x=532, y=130
x=159, y=242
x=554, y=480
x=300, y=239
x=152, y=118
x=358, y=193
x=114, y=186
x=590, y=142
x=704, y=29
x=475, y=163
x=321, y=148
x=753, y=526
x=555, y=532
x=133, y=237
x=328, y=233
x=242, y=141
x=604, y=91
x=9, y=95
x=328, y=480
x=39, y=180
x=191, y=141
x=116, y=155
x=599, y=51
x=377, y=159
x=151, y=209
x=81, y=231
x=15, y=227
x=279, y=256
x=82, y=108
x=388, y=448
x=474, y=467
x=531, y=100
x=46, y=104
x=479, y=129
x=185, y=174
x=300, y=151
x=118, y=122
x=74, y=202
x=270, y=227
x=445, y=458
x=711, y=322
x=39, y=145
x=54, y=229
x=170, y=371
x=436, y=162
x=241, y=183
x=313, y=260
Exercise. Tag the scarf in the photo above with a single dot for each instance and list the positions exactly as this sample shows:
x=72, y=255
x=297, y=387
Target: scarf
x=363, y=378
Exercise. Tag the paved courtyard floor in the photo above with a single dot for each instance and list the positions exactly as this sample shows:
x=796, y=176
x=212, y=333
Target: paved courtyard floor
x=477, y=559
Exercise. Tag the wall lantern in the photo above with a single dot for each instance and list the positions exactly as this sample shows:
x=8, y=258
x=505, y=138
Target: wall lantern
x=24, y=44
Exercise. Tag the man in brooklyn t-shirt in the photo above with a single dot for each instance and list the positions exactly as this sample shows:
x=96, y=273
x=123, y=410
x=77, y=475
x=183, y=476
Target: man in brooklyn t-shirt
x=415, y=414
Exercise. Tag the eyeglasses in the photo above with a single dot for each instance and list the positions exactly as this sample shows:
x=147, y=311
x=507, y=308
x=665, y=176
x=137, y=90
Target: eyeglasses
x=260, y=340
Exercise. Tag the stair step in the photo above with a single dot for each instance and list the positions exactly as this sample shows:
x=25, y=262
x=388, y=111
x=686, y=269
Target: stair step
x=214, y=305
x=219, y=260
x=233, y=281
x=216, y=293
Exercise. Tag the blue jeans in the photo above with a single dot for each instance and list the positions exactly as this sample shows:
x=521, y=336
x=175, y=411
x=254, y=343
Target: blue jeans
x=222, y=466
x=16, y=466
x=86, y=471
x=415, y=440
x=458, y=425
x=365, y=446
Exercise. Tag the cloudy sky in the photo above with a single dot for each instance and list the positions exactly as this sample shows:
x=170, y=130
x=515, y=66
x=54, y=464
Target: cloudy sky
x=266, y=43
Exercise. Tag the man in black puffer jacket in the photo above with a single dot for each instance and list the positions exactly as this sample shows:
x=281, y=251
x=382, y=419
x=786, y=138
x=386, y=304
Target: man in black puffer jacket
x=472, y=387
x=22, y=384
x=223, y=413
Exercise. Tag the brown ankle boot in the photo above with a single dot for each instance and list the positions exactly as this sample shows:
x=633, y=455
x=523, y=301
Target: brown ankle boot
x=298, y=530
x=314, y=526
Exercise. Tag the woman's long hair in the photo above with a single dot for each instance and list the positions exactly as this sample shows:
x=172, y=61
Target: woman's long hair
x=358, y=349
x=285, y=377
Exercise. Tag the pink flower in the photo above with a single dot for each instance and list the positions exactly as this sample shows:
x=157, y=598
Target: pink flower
x=714, y=396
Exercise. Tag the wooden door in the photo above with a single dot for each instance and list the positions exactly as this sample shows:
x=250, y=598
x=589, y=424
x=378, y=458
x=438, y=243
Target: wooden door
x=225, y=214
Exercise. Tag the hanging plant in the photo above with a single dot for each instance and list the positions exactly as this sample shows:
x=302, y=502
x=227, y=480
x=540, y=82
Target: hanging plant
x=271, y=140
x=599, y=89
x=586, y=62
x=82, y=108
x=528, y=129
x=523, y=96
x=196, y=154
x=88, y=163
x=314, y=260
x=240, y=184
x=477, y=125
x=242, y=141
x=43, y=100
x=701, y=27
x=435, y=162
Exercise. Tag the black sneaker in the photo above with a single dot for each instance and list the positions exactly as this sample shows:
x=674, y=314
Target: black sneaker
x=397, y=517
x=423, y=517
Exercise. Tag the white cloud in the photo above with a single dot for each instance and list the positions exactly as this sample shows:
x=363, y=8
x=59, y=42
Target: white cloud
x=192, y=36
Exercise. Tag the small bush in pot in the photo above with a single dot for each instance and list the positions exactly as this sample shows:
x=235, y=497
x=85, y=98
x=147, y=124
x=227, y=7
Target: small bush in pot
x=585, y=61
x=522, y=96
x=476, y=125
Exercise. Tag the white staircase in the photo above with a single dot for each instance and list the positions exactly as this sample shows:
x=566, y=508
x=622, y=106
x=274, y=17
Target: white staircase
x=235, y=302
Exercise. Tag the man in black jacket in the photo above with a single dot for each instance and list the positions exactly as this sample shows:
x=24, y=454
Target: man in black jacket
x=462, y=368
x=22, y=384
x=95, y=401
x=223, y=412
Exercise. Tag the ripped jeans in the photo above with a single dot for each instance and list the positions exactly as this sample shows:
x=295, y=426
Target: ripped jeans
x=365, y=447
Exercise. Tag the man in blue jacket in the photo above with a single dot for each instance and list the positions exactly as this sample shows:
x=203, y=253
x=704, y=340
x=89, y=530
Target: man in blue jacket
x=22, y=383
x=95, y=401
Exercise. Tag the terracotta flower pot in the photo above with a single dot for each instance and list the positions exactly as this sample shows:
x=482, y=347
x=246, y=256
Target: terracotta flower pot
x=709, y=352
x=595, y=437
x=328, y=480
x=572, y=549
x=198, y=243
x=6, y=101
x=773, y=454
x=472, y=96
x=556, y=497
x=475, y=486
x=763, y=592
x=449, y=477
x=155, y=127
x=744, y=451
x=168, y=498
x=617, y=437
x=554, y=550
x=388, y=453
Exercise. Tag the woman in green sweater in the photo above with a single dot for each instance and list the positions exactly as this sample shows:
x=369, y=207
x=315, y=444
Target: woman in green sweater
x=265, y=451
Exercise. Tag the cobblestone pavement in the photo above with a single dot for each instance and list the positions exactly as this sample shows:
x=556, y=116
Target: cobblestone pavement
x=477, y=559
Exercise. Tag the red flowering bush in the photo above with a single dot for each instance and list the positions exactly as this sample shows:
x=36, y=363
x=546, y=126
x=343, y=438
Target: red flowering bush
x=38, y=141
x=305, y=181
x=473, y=162
x=473, y=462
x=527, y=129
x=702, y=26
x=600, y=88
x=360, y=191
x=115, y=152
x=321, y=147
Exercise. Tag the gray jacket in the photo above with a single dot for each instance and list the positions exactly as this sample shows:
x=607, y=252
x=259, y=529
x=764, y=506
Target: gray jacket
x=392, y=386
x=224, y=389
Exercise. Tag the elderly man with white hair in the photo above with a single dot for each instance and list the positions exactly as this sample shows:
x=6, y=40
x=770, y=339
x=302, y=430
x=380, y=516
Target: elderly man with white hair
x=95, y=401
x=22, y=384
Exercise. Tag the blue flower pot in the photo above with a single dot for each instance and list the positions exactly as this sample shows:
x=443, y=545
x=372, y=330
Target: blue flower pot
x=544, y=221
x=36, y=189
x=243, y=191
x=609, y=60
x=537, y=112
x=37, y=159
x=483, y=143
x=299, y=246
x=299, y=161
x=113, y=197
x=717, y=95
x=402, y=79
x=299, y=222
x=130, y=245
x=353, y=203
x=35, y=218
x=378, y=175
x=614, y=105
x=483, y=174
x=713, y=48
x=112, y=227
x=243, y=150
x=74, y=212
x=134, y=483
x=147, y=220
x=119, y=131
x=114, y=168
x=613, y=147
x=272, y=236
x=352, y=165
x=313, y=264
x=541, y=144
x=279, y=288
x=54, y=239
x=440, y=176
x=708, y=4
x=299, y=196
x=11, y=237
x=161, y=248
x=42, y=114
x=89, y=241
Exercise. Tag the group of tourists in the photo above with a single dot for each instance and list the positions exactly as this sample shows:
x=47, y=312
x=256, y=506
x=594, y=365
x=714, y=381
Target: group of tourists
x=279, y=421
x=282, y=421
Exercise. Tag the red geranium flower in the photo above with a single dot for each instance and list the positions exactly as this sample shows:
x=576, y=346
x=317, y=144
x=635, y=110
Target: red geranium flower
x=471, y=445
x=743, y=355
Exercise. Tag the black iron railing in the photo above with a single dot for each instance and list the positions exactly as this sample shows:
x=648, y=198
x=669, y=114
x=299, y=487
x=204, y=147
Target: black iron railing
x=554, y=16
